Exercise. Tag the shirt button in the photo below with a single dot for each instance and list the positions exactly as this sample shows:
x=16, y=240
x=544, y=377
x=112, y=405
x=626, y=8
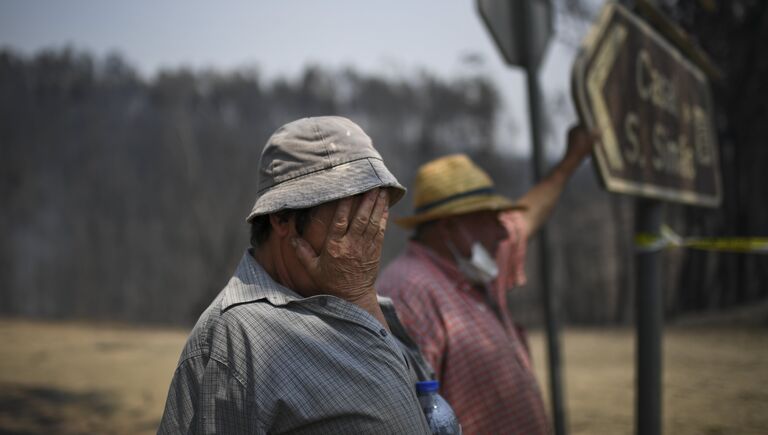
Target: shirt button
x=383, y=332
x=323, y=302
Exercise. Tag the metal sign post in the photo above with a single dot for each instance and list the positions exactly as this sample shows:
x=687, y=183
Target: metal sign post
x=521, y=29
x=650, y=323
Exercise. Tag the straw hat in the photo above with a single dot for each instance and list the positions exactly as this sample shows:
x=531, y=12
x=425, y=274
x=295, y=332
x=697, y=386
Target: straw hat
x=451, y=186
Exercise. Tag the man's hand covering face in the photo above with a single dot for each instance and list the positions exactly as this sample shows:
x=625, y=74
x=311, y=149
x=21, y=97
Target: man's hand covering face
x=348, y=262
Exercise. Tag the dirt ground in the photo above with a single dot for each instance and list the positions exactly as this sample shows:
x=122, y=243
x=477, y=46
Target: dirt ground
x=80, y=378
x=715, y=380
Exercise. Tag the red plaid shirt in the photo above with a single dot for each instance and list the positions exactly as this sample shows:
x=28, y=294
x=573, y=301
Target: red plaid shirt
x=479, y=357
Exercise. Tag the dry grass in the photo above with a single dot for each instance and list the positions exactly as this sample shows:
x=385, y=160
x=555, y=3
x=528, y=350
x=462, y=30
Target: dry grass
x=79, y=378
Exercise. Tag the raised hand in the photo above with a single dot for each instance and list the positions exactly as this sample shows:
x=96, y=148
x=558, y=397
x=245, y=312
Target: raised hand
x=581, y=141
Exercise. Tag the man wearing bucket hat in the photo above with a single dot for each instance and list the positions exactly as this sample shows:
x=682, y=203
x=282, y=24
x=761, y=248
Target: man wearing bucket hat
x=297, y=341
x=450, y=292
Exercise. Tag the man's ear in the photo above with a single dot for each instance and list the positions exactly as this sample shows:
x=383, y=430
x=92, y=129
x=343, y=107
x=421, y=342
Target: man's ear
x=445, y=227
x=281, y=225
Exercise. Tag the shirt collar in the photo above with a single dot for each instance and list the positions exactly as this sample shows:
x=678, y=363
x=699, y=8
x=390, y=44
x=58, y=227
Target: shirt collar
x=251, y=283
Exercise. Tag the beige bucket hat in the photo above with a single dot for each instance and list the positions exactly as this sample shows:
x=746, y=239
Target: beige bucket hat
x=450, y=186
x=316, y=160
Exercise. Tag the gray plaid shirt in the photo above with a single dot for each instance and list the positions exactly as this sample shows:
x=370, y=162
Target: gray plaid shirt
x=262, y=359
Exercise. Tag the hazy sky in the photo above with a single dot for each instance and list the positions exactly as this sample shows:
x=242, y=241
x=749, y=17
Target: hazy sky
x=395, y=37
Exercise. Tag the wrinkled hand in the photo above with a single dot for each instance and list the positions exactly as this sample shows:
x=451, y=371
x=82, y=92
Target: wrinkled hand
x=581, y=141
x=348, y=263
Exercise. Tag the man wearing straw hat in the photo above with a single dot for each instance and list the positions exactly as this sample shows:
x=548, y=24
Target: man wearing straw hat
x=450, y=286
x=297, y=342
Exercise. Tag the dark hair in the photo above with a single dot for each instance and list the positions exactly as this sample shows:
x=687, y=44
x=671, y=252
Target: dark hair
x=261, y=227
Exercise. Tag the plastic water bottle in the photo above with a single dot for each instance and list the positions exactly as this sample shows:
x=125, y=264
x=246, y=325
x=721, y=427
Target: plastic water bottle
x=439, y=414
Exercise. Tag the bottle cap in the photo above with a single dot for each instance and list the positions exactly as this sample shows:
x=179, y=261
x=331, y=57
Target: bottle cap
x=427, y=386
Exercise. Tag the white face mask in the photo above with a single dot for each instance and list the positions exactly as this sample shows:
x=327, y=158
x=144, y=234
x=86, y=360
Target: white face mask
x=480, y=268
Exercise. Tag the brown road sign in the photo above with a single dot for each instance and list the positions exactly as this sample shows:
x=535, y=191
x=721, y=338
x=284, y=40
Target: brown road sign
x=653, y=108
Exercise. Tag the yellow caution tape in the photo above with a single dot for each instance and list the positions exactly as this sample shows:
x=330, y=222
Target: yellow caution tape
x=669, y=239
